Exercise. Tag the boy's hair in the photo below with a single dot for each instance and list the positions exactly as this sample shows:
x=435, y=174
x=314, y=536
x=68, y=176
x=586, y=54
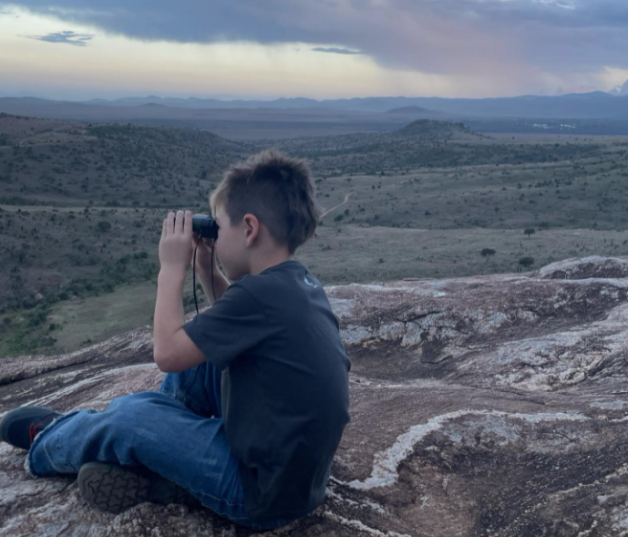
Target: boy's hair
x=277, y=189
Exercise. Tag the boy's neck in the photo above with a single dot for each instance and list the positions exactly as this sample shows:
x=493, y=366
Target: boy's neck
x=260, y=265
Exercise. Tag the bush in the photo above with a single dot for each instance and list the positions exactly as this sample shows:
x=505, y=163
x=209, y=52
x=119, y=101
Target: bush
x=103, y=226
x=37, y=318
x=526, y=261
x=487, y=252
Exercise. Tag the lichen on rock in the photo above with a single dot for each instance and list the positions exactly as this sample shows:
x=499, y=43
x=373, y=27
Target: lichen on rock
x=486, y=405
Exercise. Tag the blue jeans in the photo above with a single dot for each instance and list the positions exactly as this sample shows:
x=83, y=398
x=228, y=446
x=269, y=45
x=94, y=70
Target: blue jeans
x=176, y=431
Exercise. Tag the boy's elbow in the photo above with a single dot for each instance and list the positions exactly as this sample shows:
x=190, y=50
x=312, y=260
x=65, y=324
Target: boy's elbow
x=160, y=360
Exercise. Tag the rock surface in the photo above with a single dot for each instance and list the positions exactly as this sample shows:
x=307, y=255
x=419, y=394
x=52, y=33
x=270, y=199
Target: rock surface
x=490, y=405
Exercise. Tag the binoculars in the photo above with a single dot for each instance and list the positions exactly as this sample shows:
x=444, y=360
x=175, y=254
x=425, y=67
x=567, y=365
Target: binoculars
x=204, y=226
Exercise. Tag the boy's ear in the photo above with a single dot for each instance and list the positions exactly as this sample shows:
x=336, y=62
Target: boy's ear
x=251, y=226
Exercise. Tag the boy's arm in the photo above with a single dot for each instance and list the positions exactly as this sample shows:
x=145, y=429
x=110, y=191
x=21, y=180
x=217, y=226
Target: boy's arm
x=173, y=350
x=220, y=283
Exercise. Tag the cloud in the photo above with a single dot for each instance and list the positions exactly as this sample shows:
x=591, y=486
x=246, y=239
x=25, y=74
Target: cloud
x=336, y=50
x=66, y=36
x=504, y=38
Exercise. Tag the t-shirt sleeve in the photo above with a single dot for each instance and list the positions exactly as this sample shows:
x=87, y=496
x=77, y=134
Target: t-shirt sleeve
x=232, y=325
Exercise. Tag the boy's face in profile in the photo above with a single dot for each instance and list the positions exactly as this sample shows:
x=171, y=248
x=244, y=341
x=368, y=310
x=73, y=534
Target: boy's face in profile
x=230, y=246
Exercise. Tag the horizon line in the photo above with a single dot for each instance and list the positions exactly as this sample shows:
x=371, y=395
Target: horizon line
x=151, y=95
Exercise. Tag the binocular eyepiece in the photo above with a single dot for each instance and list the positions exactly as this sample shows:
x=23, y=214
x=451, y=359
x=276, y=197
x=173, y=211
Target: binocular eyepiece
x=204, y=226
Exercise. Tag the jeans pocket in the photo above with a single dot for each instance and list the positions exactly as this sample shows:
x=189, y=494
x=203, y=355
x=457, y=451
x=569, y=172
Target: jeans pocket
x=178, y=385
x=188, y=378
x=193, y=388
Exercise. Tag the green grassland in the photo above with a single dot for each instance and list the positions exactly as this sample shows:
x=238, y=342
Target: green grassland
x=434, y=200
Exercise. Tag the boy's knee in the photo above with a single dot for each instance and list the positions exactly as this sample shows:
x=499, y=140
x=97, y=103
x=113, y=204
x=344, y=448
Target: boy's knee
x=121, y=402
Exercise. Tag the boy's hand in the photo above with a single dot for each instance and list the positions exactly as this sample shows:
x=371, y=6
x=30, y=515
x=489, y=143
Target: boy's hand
x=176, y=245
x=204, y=251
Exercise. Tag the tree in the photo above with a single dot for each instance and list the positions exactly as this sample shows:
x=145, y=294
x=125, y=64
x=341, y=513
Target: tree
x=529, y=231
x=526, y=262
x=103, y=226
x=487, y=252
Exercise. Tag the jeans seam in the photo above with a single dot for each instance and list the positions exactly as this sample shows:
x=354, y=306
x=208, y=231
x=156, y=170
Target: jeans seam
x=202, y=493
x=188, y=384
x=38, y=440
x=173, y=396
x=226, y=513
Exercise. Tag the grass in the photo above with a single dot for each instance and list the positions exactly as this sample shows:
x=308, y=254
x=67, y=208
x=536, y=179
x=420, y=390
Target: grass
x=419, y=207
x=84, y=321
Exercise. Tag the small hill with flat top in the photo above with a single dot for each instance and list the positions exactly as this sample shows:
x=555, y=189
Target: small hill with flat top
x=437, y=130
x=418, y=111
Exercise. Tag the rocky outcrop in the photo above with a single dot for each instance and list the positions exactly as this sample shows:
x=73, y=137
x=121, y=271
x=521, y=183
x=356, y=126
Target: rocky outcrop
x=480, y=406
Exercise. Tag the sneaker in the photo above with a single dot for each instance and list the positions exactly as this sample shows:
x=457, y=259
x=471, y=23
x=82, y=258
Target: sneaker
x=20, y=426
x=115, y=488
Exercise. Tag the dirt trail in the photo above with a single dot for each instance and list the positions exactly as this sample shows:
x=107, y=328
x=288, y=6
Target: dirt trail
x=336, y=206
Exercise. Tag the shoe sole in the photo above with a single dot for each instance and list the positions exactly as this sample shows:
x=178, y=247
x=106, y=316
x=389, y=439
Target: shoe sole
x=114, y=488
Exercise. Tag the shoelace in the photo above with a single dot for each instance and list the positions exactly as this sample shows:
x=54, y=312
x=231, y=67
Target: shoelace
x=33, y=428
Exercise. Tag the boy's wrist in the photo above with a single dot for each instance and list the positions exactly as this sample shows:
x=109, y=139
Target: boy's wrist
x=206, y=274
x=207, y=271
x=171, y=275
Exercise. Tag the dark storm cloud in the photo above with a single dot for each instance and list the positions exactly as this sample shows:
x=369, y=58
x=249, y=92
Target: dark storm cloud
x=67, y=36
x=470, y=37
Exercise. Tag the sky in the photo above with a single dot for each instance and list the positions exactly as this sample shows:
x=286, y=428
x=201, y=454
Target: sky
x=321, y=49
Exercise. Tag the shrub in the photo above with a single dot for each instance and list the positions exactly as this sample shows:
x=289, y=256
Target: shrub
x=526, y=261
x=487, y=252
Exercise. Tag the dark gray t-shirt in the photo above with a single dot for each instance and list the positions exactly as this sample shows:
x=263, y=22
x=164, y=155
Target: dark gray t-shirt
x=284, y=385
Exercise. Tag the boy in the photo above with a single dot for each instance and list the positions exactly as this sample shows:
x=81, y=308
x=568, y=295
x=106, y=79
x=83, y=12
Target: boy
x=255, y=397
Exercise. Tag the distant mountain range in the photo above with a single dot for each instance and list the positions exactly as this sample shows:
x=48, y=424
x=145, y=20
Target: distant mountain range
x=575, y=113
x=597, y=104
x=620, y=90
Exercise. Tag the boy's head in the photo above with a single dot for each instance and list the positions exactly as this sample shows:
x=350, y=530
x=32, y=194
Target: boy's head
x=265, y=208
